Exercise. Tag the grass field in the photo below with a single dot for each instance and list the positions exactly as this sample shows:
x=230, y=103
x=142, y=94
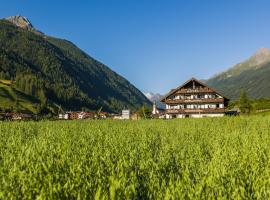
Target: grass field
x=219, y=158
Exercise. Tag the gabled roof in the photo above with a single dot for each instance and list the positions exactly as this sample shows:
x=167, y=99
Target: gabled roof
x=192, y=79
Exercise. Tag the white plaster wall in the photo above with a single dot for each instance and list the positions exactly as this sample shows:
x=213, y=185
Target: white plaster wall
x=168, y=116
x=180, y=116
x=206, y=115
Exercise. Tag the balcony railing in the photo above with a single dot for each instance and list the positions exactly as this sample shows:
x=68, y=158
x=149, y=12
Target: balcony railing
x=184, y=101
x=188, y=111
x=196, y=90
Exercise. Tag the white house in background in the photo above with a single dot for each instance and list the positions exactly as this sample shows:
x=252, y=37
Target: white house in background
x=82, y=115
x=125, y=114
x=194, y=99
x=63, y=116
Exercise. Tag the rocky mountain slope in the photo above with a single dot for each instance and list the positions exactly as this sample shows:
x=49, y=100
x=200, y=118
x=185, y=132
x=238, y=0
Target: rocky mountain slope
x=56, y=72
x=23, y=22
x=252, y=75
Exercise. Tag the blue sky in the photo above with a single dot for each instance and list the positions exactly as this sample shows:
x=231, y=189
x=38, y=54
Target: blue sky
x=155, y=44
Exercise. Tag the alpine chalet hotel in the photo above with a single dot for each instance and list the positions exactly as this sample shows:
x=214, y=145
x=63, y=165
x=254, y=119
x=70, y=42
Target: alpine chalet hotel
x=194, y=99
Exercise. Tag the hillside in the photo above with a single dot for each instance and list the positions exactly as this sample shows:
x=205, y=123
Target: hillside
x=252, y=75
x=56, y=72
x=11, y=98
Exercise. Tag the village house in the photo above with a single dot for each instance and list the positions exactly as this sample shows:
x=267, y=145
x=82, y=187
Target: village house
x=73, y=115
x=63, y=116
x=194, y=99
x=157, y=113
x=125, y=114
x=17, y=116
x=76, y=115
x=86, y=115
x=102, y=115
x=82, y=115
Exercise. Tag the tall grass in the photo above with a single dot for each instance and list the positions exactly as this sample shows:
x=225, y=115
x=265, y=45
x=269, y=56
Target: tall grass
x=227, y=158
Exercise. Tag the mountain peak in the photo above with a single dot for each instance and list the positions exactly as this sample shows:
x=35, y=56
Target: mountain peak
x=21, y=22
x=155, y=98
x=258, y=59
x=262, y=55
x=263, y=51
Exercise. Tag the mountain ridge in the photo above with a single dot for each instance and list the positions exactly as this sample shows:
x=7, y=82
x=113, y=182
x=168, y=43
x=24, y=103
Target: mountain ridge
x=248, y=75
x=260, y=57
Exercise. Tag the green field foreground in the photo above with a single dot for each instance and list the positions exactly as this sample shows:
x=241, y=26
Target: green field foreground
x=209, y=158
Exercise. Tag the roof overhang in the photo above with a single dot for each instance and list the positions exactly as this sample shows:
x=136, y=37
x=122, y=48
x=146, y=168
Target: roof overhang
x=192, y=79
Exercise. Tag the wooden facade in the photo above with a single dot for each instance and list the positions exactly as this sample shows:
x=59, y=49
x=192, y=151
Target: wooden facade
x=194, y=99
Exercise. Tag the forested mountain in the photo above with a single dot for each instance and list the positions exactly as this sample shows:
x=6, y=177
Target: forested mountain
x=252, y=75
x=59, y=74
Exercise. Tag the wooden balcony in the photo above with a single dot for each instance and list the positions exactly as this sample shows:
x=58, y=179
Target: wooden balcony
x=188, y=101
x=195, y=111
x=191, y=91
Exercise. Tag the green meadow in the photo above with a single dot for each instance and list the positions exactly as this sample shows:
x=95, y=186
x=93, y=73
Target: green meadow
x=208, y=158
x=11, y=98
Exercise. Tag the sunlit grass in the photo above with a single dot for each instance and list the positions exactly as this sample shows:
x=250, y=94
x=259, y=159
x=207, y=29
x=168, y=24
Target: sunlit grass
x=207, y=158
x=6, y=82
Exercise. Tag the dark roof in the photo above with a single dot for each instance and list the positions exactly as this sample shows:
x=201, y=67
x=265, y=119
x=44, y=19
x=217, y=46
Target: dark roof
x=192, y=79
